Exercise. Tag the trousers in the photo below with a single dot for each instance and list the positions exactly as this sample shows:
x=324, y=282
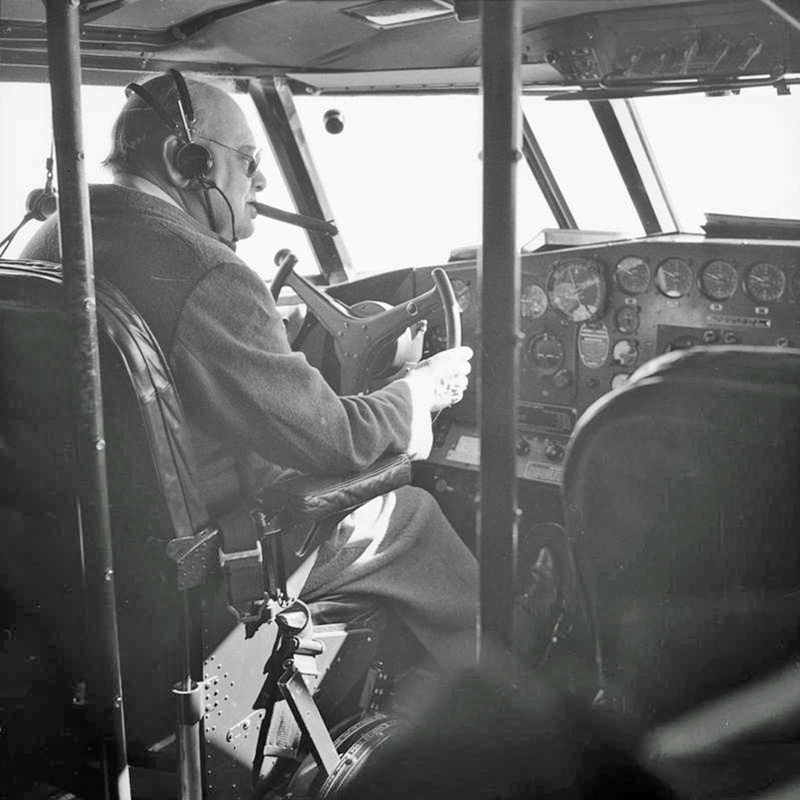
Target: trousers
x=400, y=549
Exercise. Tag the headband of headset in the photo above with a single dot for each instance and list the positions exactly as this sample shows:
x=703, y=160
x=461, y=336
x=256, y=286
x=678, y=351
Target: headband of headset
x=192, y=160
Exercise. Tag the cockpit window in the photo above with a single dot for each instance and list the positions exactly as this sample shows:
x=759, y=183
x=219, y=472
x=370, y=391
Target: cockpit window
x=404, y=177
x=734, y=154
x=579, y=157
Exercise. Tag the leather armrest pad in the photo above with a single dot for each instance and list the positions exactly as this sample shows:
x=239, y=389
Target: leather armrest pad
x=322, y=496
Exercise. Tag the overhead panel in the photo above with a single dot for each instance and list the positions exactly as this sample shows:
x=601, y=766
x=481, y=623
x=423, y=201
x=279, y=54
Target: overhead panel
x=569, y=42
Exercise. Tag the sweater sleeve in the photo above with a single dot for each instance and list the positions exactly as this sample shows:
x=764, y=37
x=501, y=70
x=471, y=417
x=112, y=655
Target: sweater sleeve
x=243, y=385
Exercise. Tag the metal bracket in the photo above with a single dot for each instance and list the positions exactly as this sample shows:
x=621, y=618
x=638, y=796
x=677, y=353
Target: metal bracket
x=241, y=555
x=193, y=556
x=307, y=715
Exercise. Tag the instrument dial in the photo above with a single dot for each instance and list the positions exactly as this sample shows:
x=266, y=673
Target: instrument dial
x=765, y=282
x=627, y=319
x=632, y=274
x=577, y=289
x=545, y=352
x=619, y=380
x=533, y=301
x=719, y=280
x=674, y=277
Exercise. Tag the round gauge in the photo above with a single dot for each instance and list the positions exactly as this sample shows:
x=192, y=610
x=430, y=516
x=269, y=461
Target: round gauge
x=719, y=279
x=620, y=379
x=633, y=275
x=674, y=277
x=627, y=319
x=577, y=289
x=625, y=353
x=765, y=282
x=533, y=301
x=545, y=352
x=463, y=293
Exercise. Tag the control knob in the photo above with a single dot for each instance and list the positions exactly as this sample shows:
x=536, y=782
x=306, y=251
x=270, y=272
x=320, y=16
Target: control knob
x=553, y=451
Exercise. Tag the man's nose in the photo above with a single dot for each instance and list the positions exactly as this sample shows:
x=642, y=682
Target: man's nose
x=259, y=182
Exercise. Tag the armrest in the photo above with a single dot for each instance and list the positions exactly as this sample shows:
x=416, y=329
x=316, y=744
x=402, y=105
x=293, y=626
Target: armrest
x=318, y=497
x=297, y=499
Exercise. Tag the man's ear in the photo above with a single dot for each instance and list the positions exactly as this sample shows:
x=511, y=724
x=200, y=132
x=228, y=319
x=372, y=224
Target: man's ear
x=169, y=151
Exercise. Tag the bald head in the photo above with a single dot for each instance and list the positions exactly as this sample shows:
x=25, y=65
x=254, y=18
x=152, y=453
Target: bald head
x=140, y=130
x=215, y=178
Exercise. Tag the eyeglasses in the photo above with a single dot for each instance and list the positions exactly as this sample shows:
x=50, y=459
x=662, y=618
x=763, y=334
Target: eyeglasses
x=252, y=161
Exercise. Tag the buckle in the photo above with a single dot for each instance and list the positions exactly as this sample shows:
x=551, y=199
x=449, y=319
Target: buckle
x=254, y=556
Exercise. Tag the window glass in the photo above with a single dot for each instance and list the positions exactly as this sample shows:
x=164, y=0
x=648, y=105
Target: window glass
x=734, y=154
x=576, y=150
x=404, y=177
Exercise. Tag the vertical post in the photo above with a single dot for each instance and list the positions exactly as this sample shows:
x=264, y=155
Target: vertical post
x=288, y=142
x=105, y=687
x=499, y=353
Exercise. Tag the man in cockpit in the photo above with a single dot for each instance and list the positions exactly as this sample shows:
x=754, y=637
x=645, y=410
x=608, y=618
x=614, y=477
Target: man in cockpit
x=164, y=233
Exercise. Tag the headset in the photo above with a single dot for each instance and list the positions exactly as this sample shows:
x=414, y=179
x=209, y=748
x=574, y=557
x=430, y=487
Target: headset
x=192, y=160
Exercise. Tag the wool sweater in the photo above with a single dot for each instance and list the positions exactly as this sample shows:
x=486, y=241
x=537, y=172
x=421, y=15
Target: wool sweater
x=251, y=402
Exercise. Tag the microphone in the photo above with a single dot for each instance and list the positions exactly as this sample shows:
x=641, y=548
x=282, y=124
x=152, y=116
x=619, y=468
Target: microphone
x=311, y=223
x=41, y=204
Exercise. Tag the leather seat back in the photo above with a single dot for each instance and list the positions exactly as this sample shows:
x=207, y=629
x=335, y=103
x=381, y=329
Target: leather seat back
x=153, y=495
x=682, y=506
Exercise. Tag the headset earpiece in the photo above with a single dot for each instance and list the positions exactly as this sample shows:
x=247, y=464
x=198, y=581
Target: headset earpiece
x=192, y=160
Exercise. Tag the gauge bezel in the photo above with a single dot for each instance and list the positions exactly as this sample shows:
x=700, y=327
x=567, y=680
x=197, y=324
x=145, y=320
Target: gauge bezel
x=688, y=278
x=640, y=286
x=532, y=284
x=622, y=311
x=775, y=270
x=535, y=339
x=709, y=293
x=592, y=266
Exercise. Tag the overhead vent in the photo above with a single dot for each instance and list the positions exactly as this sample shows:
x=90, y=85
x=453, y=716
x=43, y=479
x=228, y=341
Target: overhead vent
x=383, y=14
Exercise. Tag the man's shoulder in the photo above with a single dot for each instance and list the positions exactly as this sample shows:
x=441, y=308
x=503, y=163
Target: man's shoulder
x=135, y=230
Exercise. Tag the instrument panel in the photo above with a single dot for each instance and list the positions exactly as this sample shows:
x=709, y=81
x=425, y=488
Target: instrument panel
x=590, y=316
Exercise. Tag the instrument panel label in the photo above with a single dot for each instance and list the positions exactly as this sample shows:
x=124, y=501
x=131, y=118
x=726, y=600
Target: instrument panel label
x=593, y=344
x=738, y=322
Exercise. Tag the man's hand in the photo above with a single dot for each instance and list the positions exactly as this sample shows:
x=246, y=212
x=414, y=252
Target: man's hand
x=446, y=375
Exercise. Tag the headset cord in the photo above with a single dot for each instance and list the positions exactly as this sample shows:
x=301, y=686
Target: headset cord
x=10, y=238
x=207, y=185
x=34, y=205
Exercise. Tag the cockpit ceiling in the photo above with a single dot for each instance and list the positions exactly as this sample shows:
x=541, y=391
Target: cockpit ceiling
x=318, y=40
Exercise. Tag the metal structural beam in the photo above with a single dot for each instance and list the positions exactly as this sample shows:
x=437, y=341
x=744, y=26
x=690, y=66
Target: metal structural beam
x=538, y=165
x=105, y=686
x=282, y=124
x=498, y=360
x=651, y=160
x=626, y=164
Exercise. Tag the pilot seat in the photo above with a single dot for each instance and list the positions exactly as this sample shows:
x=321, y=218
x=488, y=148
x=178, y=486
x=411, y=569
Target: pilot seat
x=227, y=681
